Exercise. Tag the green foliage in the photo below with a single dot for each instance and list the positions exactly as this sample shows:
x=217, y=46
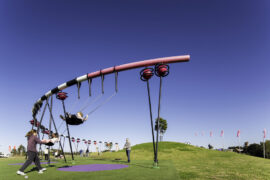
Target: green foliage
x=14, y=152
x=255, y=150
x=21, y=150
x=163, y=125
x=109, y=146
x=267, y=149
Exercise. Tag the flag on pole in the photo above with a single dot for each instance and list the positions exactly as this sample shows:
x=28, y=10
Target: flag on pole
x=222, y=133
x=211, y=133
x=264, y=133
x=14, y=147
x=238, y=133
x=9, y=148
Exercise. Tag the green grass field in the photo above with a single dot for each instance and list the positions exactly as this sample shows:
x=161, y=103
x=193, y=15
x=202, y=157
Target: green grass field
x=176, y=161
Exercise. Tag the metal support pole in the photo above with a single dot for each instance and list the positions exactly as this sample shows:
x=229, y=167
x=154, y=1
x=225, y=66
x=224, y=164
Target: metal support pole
x=40, y=150
x=263, y=148
x=151, y=118
x=68, y=130
x=50, y=128
x=41, y=118
x=57, y=133
x=160, y=85
x=64, y=142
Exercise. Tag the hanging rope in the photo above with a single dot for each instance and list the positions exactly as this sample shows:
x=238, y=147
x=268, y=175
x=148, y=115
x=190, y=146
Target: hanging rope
x=101, y=104
x=79, y=86
x=90, y=103
x=116, y=80
x=74, y=105
x=90, y=84
x=102, y=81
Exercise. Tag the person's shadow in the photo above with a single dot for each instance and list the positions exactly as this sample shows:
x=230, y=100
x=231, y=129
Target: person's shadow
x=36, y=169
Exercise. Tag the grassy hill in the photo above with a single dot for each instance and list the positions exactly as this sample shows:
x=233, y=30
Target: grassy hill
x=198, y=163
x=176, y=160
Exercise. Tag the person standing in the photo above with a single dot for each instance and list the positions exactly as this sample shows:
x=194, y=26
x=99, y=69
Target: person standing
x=46, y=153
x=87, y=152
x=81, y=153
x=127, y=146
x=32, y=153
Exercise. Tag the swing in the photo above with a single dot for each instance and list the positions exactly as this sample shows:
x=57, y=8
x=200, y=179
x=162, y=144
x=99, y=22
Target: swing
x=161, y=70
x=73, y=119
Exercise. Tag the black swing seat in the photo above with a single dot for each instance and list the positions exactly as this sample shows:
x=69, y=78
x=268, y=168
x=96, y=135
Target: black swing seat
x=73, y=120
x=49, y=144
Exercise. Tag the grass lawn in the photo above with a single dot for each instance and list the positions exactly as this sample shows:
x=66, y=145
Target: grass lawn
x=176, y=161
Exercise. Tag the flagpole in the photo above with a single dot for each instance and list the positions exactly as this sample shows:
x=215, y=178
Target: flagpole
x=264, y=136
x=263, y=148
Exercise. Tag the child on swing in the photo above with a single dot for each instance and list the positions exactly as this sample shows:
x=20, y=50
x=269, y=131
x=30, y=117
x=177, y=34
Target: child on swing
x=55, y=138
x=73, y=119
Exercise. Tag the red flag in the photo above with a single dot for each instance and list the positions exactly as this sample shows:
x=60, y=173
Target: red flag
x=14, y=147
x=9, y=148
x=211, y=134
x=222, y=133
x=264, y=133
x=238, y=133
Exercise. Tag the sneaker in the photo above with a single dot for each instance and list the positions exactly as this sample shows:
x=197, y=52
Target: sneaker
x=40, y=172
x=21, y=173
x=43, y=169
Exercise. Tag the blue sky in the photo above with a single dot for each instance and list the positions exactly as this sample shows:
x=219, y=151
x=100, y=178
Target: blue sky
x=224, y=86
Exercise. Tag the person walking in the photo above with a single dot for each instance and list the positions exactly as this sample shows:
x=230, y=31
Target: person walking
x=127, y=146
x=32, y=154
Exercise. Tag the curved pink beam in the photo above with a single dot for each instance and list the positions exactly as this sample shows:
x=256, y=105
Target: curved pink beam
x=145, y=63
x=165, y=60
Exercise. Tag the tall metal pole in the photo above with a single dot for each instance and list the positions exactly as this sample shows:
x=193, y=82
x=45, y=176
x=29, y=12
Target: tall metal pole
x=57, y=133
x=50, y=128
x=64, y=142
x=160, y=85
x=38, y=129
x=68, y=130
x=263, y=148
x=151, y=118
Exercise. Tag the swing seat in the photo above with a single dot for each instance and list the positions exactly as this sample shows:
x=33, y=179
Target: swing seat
x=73, y=120
x=49, y=144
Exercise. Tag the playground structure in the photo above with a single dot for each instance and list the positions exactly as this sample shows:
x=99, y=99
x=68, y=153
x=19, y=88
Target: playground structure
x=161, y=70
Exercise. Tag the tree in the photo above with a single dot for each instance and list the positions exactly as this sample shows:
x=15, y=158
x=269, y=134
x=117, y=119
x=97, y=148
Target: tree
x=255, y=150
x=14, y=152
x=162, y=127
x=267, y=148
x=21, y=150
x=245, y=148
